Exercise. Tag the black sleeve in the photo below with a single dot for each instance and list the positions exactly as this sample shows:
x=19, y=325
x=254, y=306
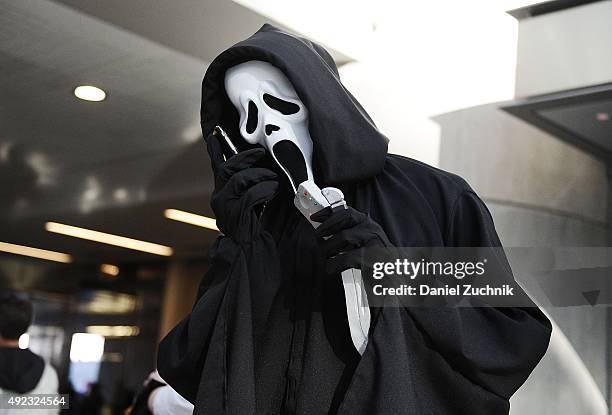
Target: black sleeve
x=470, y=223
x=496, y=348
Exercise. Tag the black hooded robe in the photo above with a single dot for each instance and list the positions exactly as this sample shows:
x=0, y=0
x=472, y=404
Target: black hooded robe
x=269, y=332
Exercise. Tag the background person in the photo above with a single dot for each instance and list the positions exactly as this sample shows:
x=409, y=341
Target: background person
x=21, y=371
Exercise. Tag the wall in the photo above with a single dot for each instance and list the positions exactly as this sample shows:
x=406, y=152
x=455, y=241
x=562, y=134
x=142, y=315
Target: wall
x=180, y=292
x=576, y=39
x=541, y=192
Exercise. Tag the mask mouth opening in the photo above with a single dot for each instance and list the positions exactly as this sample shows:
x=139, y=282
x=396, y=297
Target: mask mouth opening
x=290, y=158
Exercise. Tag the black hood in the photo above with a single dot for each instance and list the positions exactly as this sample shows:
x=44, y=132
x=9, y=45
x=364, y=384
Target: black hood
x=347, y=145
x=20, y=370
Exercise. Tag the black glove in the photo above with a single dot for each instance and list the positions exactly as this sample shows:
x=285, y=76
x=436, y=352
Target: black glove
x=349, y=231
x=240, y=188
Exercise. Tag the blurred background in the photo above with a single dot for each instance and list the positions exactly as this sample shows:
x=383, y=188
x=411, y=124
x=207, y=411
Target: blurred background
x=104, y=192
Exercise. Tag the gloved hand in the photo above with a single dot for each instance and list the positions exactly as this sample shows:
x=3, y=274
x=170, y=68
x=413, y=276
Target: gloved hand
x=240, y=188
x=348, y=230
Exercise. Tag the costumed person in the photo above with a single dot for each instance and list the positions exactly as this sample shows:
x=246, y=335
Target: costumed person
x=270, y=332
x=22, y=372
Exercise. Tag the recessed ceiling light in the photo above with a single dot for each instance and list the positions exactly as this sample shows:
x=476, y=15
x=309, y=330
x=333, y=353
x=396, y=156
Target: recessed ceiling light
x=35, y=252
x=114, y=331
x=191, y=218
x=89, y=93
x=110, y=270
x=108, y=238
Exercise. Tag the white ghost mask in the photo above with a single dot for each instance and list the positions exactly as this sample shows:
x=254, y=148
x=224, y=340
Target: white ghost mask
x=272, y=115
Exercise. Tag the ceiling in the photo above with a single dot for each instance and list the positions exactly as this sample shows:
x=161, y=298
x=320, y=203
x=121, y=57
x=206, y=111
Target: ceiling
x=198, y=28
x=114, y=165
x=582, y=117
x=538, y=8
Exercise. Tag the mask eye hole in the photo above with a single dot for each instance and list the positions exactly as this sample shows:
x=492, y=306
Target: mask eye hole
x=280, y=105
x=251, y=123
